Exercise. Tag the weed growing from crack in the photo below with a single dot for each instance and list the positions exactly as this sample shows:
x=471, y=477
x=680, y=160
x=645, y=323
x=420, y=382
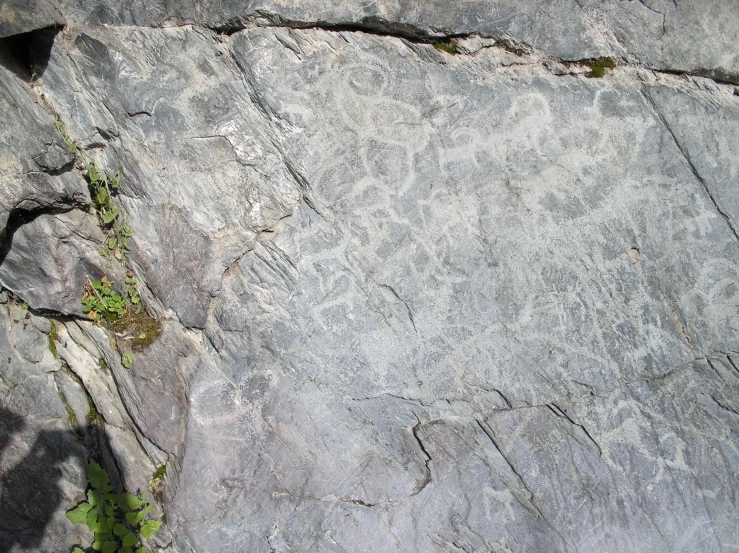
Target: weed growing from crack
x=598, y=67
x=103, y=190
x=117, y=521
x=447, y=46
x=73, y=146
x=100, y=301
x=121, y=312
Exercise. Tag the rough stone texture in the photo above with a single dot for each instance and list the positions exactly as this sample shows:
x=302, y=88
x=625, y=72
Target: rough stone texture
x=48, y=259
x=34, y=160
x=42, y=464
x=23, y=16
x=179, y=127
x=706, y=129
x=411, y=301
x=662, y=34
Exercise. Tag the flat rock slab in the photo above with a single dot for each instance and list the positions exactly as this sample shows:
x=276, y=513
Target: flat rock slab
x=493, y=323
x=418, y=301
x=696, y=37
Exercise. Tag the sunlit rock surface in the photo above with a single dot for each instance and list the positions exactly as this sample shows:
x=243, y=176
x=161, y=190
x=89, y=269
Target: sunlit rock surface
x=427, y=283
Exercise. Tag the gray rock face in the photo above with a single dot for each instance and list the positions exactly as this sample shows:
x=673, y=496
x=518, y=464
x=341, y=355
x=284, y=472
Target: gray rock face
x=22, y=16
x=472, y=288
x=411, y=301
x=662, y=34
x=42, y=464
x=49, y=258
x=34, y=160
x=174, y=141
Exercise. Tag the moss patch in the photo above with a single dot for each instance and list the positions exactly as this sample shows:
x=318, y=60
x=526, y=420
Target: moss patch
x=138, y=328
x=598, y=67
x=73, y=421
x=447, y=46
x=160, y=472
x=53, y=338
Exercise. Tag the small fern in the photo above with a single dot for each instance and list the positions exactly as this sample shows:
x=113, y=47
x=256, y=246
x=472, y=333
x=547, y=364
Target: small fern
x=118, y=521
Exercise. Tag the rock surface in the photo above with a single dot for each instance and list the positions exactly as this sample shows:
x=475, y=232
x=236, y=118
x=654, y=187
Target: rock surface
x=414, y=298
x=42, y=463
x=24, y=16
x=34, y=160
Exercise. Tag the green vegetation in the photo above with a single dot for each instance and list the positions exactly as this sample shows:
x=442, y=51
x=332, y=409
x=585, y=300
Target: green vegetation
x=127, y=360
x=157, y=482
x=73, y=146
x=138, y=328
x=121, y=312
x=598, y=67
x=103, y=191
x=118, y=521
x=100, y=300
x=53, y=337
x=74, y=423
x=119, y=309
x=159, y=473
x=447, y=46
x=93, y=416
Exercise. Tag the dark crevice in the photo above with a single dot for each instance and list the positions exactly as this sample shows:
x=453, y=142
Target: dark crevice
x=93, y=433
x=55, y=171
x=731, y=362
x=427, y=472
x=381, y=27
x=529, y=499
x=27, y=54
x=369, y=25
x=714, y=74
x=559, y=412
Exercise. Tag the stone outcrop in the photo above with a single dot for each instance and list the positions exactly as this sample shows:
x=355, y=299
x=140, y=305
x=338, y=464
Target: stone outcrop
x=431, y=276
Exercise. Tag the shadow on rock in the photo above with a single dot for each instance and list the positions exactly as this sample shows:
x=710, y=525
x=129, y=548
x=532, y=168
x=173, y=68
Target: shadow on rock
x=27, y=54
x=31, y=490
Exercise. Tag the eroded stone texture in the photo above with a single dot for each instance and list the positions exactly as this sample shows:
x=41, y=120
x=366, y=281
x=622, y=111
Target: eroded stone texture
x=687, y=36
x=42, y=463
x=489, y=269
x=418, y=301
x=48, y=258
x=34, y=160
x=201, y=176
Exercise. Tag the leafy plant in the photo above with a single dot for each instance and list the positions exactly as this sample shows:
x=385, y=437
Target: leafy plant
x=103, y=191
x=73, y=146
x=117, y=521
x=158, y=474
x=120, y=312
x=100, y=300
x=133, y=293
